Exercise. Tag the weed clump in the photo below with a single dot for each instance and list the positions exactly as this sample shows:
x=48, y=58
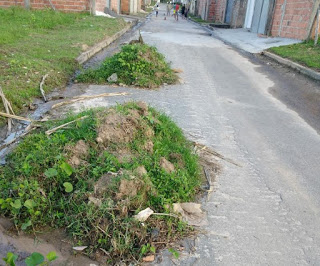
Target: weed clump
x=79, y=179
x=136, y=64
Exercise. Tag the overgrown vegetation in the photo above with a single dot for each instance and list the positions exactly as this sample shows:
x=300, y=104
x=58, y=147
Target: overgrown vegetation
x=92, y=177
x=199, y=19
x=34, y=43
x=304, y=53
x=136, y=64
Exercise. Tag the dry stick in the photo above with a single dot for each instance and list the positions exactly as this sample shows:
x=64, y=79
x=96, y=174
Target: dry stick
x=50, y=131
x=317, y=28
x=214, y=153
x=6, y=107
x=15, y=117
x=85, y=97
x=41, y=87
x=166, y=214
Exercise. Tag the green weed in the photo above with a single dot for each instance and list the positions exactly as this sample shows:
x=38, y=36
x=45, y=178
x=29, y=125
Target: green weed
x=40, y=186
x=34, y=43
x=138, y=65
x=304, y=53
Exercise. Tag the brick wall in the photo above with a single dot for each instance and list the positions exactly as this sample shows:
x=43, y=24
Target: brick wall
x=296, y=16
x=125, y=6
x=64, y=5
x=100, y=5
x=219, y=10
x=206, y=9
x=8, y=3
x=114, y=5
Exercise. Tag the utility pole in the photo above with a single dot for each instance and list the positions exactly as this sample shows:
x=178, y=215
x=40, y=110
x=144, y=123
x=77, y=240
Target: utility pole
x=27, y=4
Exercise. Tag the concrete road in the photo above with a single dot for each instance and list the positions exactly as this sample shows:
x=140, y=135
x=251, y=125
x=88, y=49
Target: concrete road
x=267, y=211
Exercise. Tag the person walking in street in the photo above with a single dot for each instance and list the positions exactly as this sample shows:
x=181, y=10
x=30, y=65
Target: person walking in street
x=177, y=11
x=168, y=8
x=183, y=8
x=186, y=11
x=157, y=10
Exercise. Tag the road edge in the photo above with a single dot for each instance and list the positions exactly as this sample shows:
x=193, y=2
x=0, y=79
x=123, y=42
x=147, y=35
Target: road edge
x=85, y=56
x=301, y=69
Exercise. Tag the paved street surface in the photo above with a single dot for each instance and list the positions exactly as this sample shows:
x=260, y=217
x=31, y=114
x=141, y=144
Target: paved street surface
x=267, y=211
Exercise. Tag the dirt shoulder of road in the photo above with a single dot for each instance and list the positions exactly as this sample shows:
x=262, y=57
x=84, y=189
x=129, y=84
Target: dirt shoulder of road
x=36, y=43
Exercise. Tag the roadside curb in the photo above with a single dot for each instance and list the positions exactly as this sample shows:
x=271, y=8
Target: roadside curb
x=302, y=69
x=85, y=56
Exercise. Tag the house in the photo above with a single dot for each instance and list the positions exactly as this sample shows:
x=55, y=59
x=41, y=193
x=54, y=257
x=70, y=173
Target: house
x=281, y=18
x=118, y=6
x=232, y=12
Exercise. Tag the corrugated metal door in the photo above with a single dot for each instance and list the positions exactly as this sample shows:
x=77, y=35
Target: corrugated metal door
x=260, y=16
x=229, y=11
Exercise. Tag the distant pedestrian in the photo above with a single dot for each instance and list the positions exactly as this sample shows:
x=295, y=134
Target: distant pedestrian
x=177, y=11
x=186, y=12
x=168, y=9
x=157, y=10
x=183, y=8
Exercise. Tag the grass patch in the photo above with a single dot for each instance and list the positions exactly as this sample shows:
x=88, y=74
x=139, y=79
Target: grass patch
x=86, y=179
x=136, y=64
x=198, y=19
x=304, y=53
x=33, y=43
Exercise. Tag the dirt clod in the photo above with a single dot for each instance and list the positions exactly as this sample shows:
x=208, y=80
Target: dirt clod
x=141, y=171
x=78, y=153
x=116, y=128
x=148, y=146
x=166, y=165
x=128, y=188
x=95, y=201
x=143, y=108
x=103, y=184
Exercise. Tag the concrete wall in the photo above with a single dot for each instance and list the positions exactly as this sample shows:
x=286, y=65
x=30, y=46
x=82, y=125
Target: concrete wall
x=292, y=18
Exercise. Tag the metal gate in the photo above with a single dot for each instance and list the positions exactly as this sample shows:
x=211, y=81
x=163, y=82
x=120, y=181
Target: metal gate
x=229, y=11
x=260, y=16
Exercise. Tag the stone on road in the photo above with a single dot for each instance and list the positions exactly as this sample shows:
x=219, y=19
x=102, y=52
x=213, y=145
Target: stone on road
x=267, y=211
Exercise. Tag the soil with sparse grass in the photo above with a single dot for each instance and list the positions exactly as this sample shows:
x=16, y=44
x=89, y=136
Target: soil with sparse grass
x=136, y=65
x=92, y=177
x=34, y=43
x=304, y=53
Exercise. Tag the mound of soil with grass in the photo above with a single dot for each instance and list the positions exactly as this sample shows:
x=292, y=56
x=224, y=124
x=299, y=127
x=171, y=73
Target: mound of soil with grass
x=94, y=176
x=137, y=64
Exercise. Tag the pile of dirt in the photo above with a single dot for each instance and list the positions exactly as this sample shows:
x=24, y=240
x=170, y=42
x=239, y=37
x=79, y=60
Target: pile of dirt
x=94, y=177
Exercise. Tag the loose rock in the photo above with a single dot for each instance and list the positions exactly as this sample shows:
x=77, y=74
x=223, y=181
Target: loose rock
x=113, y=78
